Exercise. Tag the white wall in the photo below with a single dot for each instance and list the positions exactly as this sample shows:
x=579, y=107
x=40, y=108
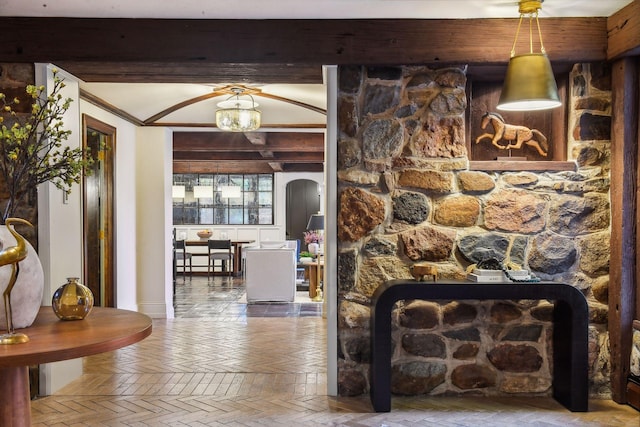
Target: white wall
x=60, y=230
x=125, y=205
x=154, y=174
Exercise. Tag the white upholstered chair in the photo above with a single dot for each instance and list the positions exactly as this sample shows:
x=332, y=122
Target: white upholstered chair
x=270, y=274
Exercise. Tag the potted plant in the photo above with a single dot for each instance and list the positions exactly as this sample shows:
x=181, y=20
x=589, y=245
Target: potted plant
x=31, y=153
x=306, y=257
x=31, y=150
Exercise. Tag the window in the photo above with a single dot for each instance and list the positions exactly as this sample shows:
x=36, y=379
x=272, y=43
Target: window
x=212, y=204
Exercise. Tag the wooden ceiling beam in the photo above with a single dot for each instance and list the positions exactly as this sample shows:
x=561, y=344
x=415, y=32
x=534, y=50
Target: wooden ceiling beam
x=202, y=73
x=276, y=166
x=283, y=156
x=242, y=167
x=623, y=28
x=256, y=138
x=237, y=142
x=188, y=42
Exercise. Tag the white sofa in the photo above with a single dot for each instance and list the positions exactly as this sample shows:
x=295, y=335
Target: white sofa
x=270, y=274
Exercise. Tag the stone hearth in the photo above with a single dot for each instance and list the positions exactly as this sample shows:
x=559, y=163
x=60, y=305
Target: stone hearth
x=407, y=195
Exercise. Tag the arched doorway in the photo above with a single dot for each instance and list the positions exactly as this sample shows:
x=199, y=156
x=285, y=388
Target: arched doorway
x=303, y=200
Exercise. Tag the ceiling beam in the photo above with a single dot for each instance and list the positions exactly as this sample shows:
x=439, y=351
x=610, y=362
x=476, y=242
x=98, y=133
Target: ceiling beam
x=242, y=167
x=201, y=73
x=292, y=156
x=188, y=42
x=624, y=32
x=237, y=142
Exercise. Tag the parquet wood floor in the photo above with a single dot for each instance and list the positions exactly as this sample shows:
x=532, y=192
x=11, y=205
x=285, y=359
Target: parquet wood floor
x=233, y=370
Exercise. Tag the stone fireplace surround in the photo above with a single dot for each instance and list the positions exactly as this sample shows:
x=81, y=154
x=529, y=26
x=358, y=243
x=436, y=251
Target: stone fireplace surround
x=407, y=195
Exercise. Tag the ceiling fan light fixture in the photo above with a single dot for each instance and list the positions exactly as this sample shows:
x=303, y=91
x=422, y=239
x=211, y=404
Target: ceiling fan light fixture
x=529, y=84
x=238, y=115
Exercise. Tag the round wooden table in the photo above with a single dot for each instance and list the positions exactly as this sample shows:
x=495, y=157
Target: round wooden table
x=53, y=340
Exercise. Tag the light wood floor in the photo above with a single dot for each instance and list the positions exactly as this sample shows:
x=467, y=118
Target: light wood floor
x=222, y=370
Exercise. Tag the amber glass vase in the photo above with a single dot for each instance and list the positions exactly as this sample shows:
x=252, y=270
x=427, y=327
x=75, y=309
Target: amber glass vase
x=72, y=301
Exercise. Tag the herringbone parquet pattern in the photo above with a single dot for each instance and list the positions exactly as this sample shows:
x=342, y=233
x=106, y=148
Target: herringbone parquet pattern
x=266, y=372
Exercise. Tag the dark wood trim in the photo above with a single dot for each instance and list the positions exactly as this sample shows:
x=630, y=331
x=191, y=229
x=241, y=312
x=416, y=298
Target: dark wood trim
x=624, y=32
x=99, y=102
x=224, y=91
x=238, y=142
x=106, y=233
x=202, y=73
x=559, y=122
x=624, y=219
x=243, y=167
x=518, y=166
x=184, y=42
x=262, y=125
x=636, y=317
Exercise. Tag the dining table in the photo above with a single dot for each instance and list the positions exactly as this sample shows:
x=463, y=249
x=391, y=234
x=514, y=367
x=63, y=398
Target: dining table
x=53, y=340
x=237, y=251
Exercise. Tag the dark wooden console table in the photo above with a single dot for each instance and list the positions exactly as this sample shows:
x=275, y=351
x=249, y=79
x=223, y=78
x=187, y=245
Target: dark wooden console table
x=570, y=323
x=52, y=340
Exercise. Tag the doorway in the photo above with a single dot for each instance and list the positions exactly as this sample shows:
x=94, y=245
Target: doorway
x=98, y=141
x=303, y=200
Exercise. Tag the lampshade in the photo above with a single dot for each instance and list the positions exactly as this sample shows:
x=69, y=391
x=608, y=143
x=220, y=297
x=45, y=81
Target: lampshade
x=316, y=222
x=177, y=191
x=238, y=115
x=230, y=191
x=203, y=191
x=529, y=83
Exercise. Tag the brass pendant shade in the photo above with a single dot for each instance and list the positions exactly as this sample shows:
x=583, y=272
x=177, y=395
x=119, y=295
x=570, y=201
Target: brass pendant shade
x=529, y=84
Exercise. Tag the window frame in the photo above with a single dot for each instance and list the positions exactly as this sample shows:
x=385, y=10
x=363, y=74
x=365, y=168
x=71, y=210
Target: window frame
x=244, y=210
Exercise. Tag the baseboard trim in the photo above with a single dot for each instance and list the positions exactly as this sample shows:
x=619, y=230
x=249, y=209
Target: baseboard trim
x=633, y=394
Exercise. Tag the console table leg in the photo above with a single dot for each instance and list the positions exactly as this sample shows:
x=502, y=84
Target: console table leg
x=15, y=405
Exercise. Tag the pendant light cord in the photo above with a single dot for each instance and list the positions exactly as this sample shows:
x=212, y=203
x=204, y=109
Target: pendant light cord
x=515, y=41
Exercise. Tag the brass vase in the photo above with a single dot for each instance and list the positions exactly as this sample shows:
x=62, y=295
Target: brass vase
x=72, y=301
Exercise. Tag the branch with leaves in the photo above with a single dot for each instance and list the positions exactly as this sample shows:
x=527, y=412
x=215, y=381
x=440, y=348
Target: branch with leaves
x=31, y=145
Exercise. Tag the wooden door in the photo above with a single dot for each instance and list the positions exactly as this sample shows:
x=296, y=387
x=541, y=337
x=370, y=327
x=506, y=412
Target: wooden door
x=98, y=232
x=303, y=200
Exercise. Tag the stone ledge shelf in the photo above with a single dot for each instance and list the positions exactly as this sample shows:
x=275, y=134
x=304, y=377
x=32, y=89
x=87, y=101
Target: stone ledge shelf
x=570, y=331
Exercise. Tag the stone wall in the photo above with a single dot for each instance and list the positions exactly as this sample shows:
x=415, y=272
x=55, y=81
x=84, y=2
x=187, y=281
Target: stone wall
x=406, y=195
x=14, y=78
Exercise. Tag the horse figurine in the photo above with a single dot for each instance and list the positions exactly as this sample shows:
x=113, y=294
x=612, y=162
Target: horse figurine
x=519, y=134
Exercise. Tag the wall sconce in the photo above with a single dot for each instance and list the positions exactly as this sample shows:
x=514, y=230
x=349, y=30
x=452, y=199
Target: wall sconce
x=529, y=83
x=238, y=115
x=177, y=191
x=203, y=191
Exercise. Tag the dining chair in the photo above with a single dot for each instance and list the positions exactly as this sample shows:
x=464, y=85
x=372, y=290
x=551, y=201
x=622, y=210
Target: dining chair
x=219, y=250
x=184, y=256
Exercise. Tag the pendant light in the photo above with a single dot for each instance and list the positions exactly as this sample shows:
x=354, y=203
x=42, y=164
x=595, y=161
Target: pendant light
x=230, y=191
x=529, y=83
x=238, y=115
